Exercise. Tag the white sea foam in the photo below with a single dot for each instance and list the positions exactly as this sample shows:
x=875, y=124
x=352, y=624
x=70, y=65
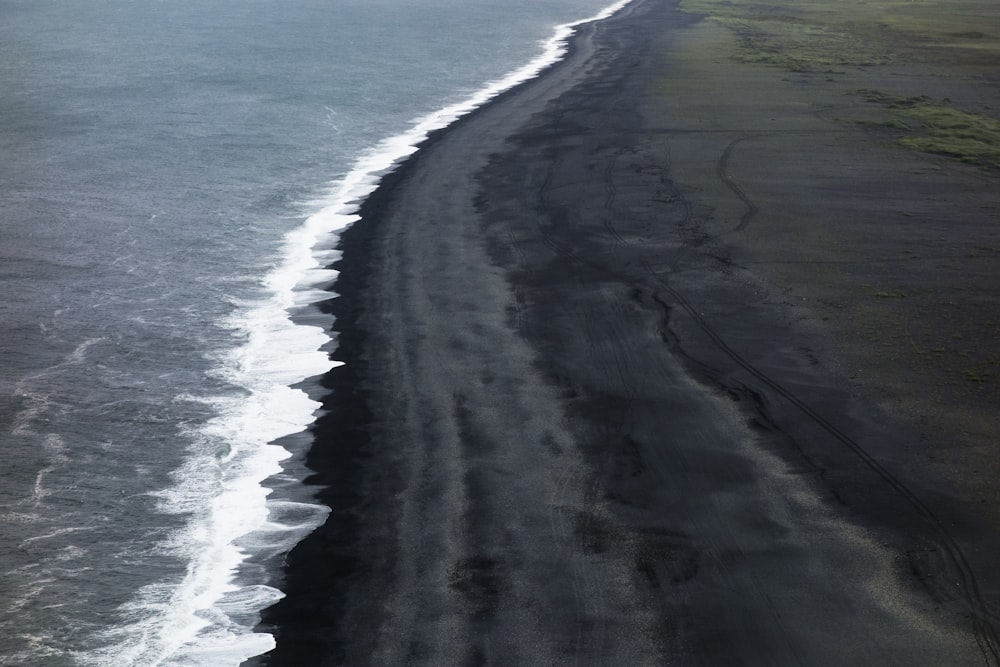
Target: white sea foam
x=202, y=621
x=221, y=486
x=339, y=209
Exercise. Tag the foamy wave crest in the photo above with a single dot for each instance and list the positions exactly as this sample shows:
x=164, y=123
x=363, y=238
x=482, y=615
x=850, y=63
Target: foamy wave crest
x=208, y=619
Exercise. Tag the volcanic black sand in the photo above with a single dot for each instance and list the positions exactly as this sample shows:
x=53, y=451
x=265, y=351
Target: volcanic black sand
x=634, y=376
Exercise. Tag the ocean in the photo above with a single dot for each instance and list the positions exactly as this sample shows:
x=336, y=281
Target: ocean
x=173, y=176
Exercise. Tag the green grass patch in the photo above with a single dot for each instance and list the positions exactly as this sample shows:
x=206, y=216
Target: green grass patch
x=793, y=36
x=820, y=36
x=934, y=126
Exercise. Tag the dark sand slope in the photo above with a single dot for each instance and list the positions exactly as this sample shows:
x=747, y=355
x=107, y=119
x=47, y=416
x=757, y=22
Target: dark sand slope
x=575, y=429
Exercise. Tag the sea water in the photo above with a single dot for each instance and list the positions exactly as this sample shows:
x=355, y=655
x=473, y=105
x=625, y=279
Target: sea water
x=173, y=176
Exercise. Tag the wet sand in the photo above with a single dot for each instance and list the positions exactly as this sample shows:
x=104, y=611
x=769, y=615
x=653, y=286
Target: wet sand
x=612, y=392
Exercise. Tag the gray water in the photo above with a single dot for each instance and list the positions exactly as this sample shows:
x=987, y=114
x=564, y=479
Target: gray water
x=172, y=177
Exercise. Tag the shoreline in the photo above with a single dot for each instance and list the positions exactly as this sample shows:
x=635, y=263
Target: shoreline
x=566, y=426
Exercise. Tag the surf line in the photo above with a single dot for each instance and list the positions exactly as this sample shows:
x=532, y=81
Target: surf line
x=346, y=195
x=228, y=472
x=313, y=247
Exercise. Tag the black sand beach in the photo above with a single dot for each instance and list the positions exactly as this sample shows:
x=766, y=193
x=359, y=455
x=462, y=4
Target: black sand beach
x=629, y=378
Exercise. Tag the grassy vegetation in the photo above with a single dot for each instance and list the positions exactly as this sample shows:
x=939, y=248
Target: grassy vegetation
x=970, y=137
x=799, y=36
x=819, y=36
x=934, y=126
x=822, y=36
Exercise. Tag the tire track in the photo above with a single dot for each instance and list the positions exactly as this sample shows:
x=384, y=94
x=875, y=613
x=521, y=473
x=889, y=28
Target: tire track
x=609, y=200
x=986, y=636
x=555, y=214
x=722, y=170
x=555, y=231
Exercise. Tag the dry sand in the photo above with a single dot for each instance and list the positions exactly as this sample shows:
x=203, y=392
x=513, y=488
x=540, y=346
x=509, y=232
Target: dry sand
x=893, y=255
x=641, y=370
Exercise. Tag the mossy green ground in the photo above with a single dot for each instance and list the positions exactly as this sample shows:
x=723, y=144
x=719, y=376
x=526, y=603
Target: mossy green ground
x=934, y=126
x=806, y=34
x=832, y=37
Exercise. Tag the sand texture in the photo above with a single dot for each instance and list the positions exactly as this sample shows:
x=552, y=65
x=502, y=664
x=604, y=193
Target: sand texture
x=678, y=354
